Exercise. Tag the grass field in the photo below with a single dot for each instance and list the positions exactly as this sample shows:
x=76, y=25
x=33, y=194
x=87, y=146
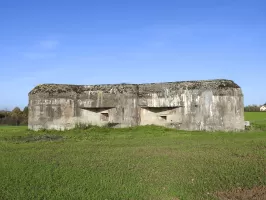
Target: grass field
x=255, y=116
x=257, y=120
x=134, y=163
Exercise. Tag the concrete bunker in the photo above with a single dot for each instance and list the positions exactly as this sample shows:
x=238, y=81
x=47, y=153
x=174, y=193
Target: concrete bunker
x=189, y=105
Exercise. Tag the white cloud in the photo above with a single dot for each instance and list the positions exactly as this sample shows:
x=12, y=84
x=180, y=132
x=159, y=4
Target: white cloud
x=43, y=49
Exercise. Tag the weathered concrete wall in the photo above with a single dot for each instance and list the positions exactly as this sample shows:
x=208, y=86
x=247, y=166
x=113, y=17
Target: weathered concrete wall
x=63, y=106
x=194, y=105
x=203, y=107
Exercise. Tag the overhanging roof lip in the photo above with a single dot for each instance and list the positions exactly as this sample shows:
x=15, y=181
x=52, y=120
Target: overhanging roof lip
x=87, y=107
x=133, y=88
x=161, y=106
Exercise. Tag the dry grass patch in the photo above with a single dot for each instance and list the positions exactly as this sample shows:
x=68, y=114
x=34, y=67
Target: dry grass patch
x=256, y=193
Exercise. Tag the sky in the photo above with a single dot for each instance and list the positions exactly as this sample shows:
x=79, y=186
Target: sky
x=99, y=42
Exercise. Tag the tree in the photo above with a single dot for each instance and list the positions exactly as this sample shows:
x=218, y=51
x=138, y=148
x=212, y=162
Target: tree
x=2, y=115
x=252, y=108
x=25, y=111
x=17, y=115
x=25, y=114
x=16, y=112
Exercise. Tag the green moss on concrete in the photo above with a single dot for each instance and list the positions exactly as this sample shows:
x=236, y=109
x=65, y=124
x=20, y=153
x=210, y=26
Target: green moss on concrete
x=218, y=84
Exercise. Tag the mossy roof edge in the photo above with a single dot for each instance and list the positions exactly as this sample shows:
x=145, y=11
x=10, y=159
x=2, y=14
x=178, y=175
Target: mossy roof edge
x=196, y=84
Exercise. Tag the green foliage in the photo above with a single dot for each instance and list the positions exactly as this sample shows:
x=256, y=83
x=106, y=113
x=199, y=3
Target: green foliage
x=252, y=108
x=25, y=111
x=2, y=115
x=146, y=162
x=16, y=112
x=15, y=117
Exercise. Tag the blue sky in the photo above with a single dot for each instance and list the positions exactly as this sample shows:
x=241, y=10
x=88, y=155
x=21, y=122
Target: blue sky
x=103, y=41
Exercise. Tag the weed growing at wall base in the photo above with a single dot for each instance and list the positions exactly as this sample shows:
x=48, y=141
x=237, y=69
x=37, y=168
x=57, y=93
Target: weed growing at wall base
x=129, y=163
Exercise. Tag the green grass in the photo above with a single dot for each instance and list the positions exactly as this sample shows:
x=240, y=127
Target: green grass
x=255, y=116
x=257, y=120
x=132, y=163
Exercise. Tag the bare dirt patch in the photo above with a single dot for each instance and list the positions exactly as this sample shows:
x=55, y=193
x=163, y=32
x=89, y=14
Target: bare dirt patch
x=256, y=193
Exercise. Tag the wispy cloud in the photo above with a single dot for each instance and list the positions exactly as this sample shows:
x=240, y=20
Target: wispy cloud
x=43, y=49
x=49, y=44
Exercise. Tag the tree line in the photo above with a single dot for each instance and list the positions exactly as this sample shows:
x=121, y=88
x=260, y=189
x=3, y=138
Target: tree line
x=252, y=108
x=16, y=117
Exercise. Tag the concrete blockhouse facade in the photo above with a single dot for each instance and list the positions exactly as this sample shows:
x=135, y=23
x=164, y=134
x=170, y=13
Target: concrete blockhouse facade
x=210, y=105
